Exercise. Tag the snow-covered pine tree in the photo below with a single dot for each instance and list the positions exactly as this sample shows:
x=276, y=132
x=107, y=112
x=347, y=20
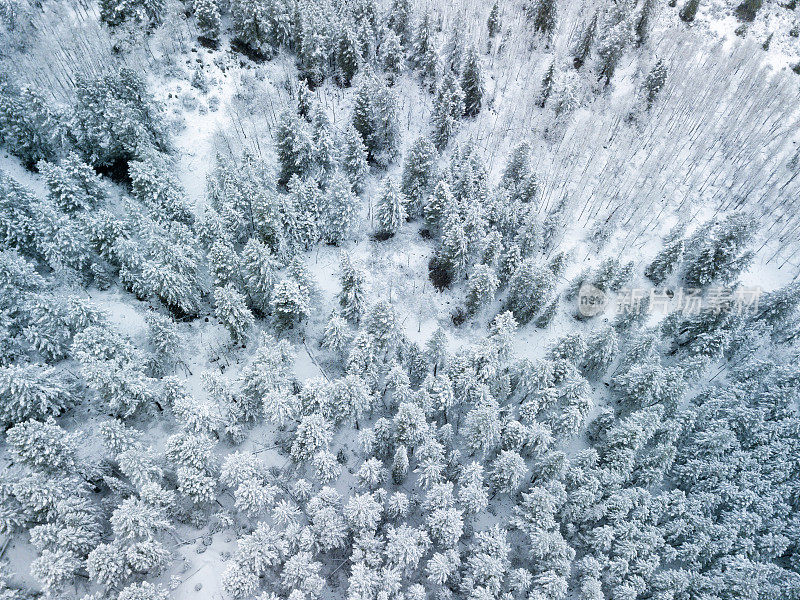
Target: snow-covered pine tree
x=162, y=333
x=72, y=184
x=719, y=250
x=352, y=300
x=583, y=48
x=546, y=89
x=295, y=145
x=543, y=15
x=291, y=302
x=440, y=203
x=418, y=174
x=472, y=84
x=399, y=20
x=29, y=127
x=666, y=260
x=33, y=391
x=251, y=25
x=353, y=158
x=448, y=107
x=644, y=22
x=375, y=118
x=493, y=24
x=601, y=350
x=654, y=82
x=529, y=289
x=339, y=210
x=348, y=54
x=230, y=307
x=391, y=57
x=390, y=211
x=482, y=285
x=509, y=471
x=689, y=10
x=259, y=269
x=208, y=19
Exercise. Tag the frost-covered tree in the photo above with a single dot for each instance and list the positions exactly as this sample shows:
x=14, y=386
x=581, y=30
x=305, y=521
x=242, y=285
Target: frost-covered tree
x=418, y=174
x=259, y=271
x=448, y=107
x=718, y=250
x=482, y=285
x=472, y=84
x=543, y=15
x=666, y=260
x=375, y=119
x=29, y=126
x=72, y=184
x=295, y=145
x=339, y=210
x=33, y=391
x=529, y=289
x=601, y=350
x=654, y=82
x=352, y=300
x=231, y=309
x=43, y=445
x=509, y=471
x=114, y=120
x=353, y=157
x=290, y=302
x=390, y=211
x=208, y=18
x=689, y=10
x=391, y=57
x=313, y=434
x=493, y=24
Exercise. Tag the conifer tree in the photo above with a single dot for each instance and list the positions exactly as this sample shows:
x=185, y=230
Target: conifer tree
x=584, y=45
x=654, y=82
x=295, y=148
x=400, y=20
x=689, y=10
x=400, y=465
x=391, y=57
x=375, y=118
x=259, y=268
x=339, y=210
x=290, y=302
x=390, y=211
x=348, y=57
x=29, y=128
x=250, y=21
x=645, y=20
x=440, y=203
x=666, y=260
x=472, y=84
x=547, y=84
x=493, y=23
x=352, y=298
x=231, y=309
x=418, y=174
x=543, y=15
x=72, y=185
x=748, y=9
x=529, y=290
x=354, y=158
x=423, y=40
x=208, y=18
x=718, y=251
x=32, y=392
x=481, y=287
x=448, y=107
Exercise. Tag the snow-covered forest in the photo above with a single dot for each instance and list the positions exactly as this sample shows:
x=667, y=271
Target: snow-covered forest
x=399, y=299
